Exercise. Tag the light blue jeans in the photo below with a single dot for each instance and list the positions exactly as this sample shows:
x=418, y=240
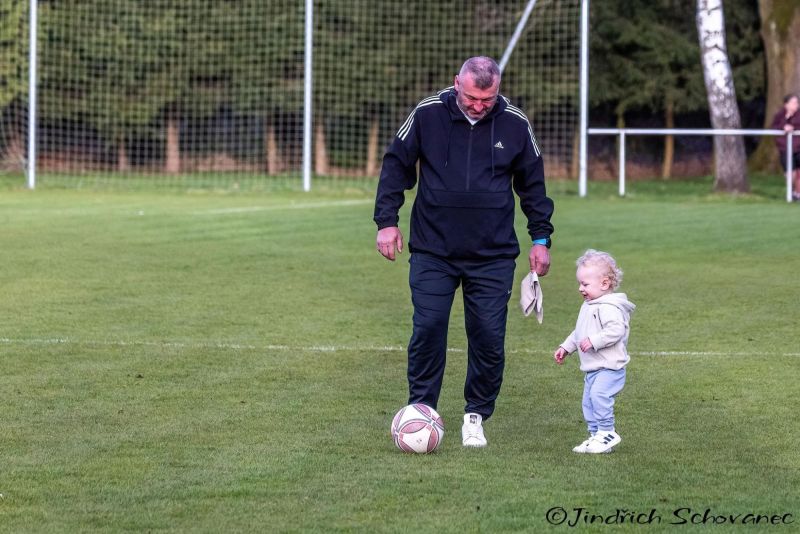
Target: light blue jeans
x=599, y=390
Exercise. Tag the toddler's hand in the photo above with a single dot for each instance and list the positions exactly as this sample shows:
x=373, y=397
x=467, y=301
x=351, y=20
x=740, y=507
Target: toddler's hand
x=586, y=345
x=559, y=355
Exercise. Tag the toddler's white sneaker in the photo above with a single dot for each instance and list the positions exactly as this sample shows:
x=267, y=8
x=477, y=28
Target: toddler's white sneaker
x=603, y=441
x=581, y=449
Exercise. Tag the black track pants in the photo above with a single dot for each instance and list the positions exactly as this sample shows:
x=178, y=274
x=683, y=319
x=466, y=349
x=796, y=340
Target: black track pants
x=486, y=286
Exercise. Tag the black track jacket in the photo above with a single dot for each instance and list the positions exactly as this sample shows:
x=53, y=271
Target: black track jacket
x=464, y=206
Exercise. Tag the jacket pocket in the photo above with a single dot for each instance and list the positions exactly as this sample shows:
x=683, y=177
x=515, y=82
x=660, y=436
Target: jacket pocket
x=469, y=199
x=465, y=224
x=598, y=321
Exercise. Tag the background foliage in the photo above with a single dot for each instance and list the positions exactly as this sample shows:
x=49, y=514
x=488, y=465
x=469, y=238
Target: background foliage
x=227, y=75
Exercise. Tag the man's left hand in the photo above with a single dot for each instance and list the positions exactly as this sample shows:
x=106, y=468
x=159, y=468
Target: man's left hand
x=540, y=259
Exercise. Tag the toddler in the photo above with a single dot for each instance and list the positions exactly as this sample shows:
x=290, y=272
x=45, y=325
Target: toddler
x=601, y=339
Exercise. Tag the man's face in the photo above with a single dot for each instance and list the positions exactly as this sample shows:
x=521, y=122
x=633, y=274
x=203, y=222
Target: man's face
x=476, y=103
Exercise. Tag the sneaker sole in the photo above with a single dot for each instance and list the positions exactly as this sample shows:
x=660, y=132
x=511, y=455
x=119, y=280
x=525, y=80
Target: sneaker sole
x=608, y=450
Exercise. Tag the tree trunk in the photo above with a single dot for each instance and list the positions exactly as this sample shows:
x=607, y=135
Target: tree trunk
x=173, y=163
x=730, y=162
x=669, y=140
x=321, y=162
x=780, y=32
x=274, y=161
x=575, y=167
x=123, y=162
x=372, y=149
x=14, y=154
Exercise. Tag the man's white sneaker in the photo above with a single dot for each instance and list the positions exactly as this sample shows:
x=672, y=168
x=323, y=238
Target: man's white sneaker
x=581, y=449
x=603, y=441
x=472, y=431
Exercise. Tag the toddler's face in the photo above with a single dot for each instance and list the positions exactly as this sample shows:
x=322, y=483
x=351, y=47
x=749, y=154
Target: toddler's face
x=592, y=284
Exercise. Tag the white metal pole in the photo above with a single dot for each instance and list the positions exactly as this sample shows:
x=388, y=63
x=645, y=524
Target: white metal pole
x=789, y=168
x=32, y=91
x=584, y=97
x=308, y=97
x=622, y=164
x=517, y=33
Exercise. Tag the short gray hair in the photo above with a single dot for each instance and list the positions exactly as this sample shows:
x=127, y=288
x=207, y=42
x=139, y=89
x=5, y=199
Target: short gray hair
x=606, y=264
x=483, y=69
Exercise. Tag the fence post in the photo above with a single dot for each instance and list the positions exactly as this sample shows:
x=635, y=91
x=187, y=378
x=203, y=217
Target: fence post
x=32, y=92
x=789, y=169
x=622, y=163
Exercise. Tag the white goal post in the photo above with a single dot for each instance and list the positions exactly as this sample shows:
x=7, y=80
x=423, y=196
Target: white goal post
x=33, y=91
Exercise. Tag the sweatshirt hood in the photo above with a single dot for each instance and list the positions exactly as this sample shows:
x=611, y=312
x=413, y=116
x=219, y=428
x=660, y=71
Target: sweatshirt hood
x=448, y=96
x=620, y=300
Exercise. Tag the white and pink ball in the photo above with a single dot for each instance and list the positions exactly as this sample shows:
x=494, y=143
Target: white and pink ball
x=417, y=428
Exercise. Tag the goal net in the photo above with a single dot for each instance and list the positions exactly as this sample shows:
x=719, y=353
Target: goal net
x=210, y=93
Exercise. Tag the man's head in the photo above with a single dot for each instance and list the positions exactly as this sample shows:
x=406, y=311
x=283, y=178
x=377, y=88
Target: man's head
x=477, y=86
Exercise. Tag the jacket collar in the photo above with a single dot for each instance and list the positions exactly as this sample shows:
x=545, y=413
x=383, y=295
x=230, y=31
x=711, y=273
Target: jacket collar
x=448, y=96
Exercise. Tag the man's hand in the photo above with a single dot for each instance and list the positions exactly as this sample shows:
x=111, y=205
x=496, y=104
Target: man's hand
x=389, y=241
x=540, y=259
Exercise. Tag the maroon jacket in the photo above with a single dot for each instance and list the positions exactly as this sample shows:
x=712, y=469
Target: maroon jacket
x=779, y=122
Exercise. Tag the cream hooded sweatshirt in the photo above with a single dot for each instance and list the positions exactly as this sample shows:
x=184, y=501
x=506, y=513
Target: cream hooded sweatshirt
x=604, y=321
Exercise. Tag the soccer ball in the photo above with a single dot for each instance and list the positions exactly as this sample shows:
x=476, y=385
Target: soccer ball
x=417, y=428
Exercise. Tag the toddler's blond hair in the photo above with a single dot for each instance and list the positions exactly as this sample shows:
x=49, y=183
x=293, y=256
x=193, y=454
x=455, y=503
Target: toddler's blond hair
x=605, y=263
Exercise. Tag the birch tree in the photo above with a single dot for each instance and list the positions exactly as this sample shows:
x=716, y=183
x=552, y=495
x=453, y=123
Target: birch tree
x=730, y=172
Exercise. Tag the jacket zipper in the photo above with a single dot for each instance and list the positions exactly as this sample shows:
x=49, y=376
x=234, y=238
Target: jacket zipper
x=469, y=154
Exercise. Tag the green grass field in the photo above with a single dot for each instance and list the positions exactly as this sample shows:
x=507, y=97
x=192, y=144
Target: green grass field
x=218, y=361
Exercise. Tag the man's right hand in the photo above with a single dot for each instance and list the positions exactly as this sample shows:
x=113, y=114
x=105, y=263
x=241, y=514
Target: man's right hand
x=389, y=242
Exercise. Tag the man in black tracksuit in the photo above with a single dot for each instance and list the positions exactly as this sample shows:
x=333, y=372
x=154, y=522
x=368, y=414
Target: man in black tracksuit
x=472, y=147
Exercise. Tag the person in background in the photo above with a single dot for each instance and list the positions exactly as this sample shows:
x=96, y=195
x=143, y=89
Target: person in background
x=788, y=120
